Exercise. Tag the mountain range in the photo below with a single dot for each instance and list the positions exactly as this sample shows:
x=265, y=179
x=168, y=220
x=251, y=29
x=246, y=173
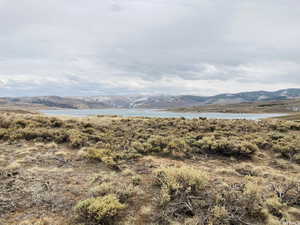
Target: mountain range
x=147, y=101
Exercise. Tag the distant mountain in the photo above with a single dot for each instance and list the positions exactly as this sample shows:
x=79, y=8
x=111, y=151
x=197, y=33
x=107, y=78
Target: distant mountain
x=254, y=96
x=51, y=102
x=142, y=101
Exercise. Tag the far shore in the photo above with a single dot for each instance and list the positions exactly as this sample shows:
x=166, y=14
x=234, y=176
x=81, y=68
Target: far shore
x=37, y=110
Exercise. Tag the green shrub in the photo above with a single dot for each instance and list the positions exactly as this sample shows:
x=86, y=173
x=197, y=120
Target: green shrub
x=77, y=139
x=122, y=190
x=136, y=180
x=100, y=210
x=177, y=146
x=228, y=147
x=181, y=178
x=262, y=142
x=158, y=143
x=165, y=145
x=104, y=155
x=288, y=192
x=276, y=136
x=141, y=148
x=188, y=193
x=173, y=181
x=219, y=215
x=288, y=147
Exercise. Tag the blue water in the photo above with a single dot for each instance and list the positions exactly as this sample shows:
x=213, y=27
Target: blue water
x=156, y=113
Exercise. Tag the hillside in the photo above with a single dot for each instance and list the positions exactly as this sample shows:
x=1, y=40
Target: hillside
x=49, y=102
x=146, y=171
x=278, y=106
x=139, y=101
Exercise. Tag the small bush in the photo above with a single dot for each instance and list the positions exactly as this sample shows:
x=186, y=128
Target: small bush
x=262, y=142
x=136, y=180
x=158, y=143
x=187, y=193
x=219, y=215
x=141, y=147
x=104, y=155
x=164, y=145
x=77, y=139
x=100, y=210
x=181, y=178
x=122, y=190
x=288, y=192
x=228, y=147
x=174, y=181
x=177, y=147
x=288, y=147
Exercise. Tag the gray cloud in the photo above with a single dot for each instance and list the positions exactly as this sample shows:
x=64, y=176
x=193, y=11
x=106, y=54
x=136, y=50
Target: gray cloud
x=157, y=46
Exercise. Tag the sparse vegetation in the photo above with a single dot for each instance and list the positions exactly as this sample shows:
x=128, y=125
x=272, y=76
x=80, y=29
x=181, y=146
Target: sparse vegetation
x=112, y=170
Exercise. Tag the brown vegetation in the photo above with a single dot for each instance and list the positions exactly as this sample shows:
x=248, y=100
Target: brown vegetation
x=148, y=171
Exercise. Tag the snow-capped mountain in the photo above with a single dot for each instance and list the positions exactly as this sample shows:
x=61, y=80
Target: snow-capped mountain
x=147, y=101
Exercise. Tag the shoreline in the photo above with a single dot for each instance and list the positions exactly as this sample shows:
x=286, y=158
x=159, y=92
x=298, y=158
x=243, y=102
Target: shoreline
x=158, y=113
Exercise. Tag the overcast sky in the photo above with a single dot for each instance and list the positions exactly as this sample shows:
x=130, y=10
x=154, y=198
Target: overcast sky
x=120, y=47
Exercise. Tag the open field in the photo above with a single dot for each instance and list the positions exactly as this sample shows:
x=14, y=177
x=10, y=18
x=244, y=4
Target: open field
x=280, y=106
x=113, y=170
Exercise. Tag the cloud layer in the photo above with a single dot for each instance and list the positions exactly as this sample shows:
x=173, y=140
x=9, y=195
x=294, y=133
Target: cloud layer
x=116, y=47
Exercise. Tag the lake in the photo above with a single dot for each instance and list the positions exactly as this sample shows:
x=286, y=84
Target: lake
x=156, y=113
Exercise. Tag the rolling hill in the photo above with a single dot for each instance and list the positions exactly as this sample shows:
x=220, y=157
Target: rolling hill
x=147, y=101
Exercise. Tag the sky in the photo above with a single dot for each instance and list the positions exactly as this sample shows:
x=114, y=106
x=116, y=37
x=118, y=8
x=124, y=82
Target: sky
x=129, y=47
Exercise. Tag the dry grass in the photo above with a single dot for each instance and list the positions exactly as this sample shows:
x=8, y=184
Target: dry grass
x=148, y=171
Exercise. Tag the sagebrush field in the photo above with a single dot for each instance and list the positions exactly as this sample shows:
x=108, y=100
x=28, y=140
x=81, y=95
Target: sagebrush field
x=123, y=171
